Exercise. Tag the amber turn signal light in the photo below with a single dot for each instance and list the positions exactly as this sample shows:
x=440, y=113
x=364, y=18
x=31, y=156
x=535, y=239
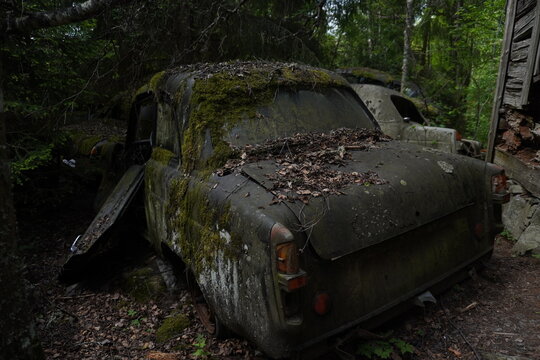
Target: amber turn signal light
x=287, y=258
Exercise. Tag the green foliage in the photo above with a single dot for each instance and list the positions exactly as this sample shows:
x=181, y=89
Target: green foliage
x=33, y=159
x=384, y=349
x=367, y=33
x=378, y=348
x=200, y=348
x=508, y=235
x=456, y=48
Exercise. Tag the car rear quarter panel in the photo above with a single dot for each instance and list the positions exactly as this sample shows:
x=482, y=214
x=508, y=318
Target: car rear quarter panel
x=237, y=277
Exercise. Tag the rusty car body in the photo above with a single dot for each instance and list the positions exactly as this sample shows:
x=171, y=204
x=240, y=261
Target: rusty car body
x=288, y=275
x=399, y=117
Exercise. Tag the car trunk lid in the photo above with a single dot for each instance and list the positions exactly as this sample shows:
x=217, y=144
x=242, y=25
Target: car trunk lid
x=421, y=186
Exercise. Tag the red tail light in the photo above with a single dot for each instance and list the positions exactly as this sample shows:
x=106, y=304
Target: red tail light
x=498, y=183
x=458, y=136
x=291, y=277
x=321, y=303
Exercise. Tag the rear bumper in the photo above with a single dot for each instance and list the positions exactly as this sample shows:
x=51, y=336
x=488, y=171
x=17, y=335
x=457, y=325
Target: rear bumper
x=376, y=283
x=392, y=309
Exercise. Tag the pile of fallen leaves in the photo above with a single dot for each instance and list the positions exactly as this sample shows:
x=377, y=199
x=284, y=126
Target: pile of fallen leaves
x=305, y=162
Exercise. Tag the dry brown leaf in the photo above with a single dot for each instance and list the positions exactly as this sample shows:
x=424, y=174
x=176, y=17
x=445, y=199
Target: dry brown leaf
x=457, y=353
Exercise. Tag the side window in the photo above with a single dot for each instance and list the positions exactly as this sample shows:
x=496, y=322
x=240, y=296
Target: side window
x=141, y=134
x=407, y=109
x=167, y=129
x=142, y=121
x=146, y=122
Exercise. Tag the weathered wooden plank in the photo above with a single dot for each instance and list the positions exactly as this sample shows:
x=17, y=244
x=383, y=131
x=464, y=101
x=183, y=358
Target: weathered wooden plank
x=531, y=61
x=520, y=45
x=512, y=98
x=515, y=84
x=524, y=6
x=516, y=45
x=537, y=65
x=517, y=70
x=503, y=65
x=523, y=27
x=527, y=176
x=520, y=54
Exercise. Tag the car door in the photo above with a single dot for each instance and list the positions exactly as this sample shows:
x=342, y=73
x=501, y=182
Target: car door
x=162, y=168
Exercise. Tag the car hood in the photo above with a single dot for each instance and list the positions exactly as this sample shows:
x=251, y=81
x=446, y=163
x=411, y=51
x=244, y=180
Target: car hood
x=422, y=185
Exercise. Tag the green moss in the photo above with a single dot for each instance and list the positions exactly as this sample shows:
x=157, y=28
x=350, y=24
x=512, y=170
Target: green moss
x=171, y=327
x=151, y=86
x=144, y=284
x=373, y=74
x=198, y=226
x=162, y=156
x=155, y=80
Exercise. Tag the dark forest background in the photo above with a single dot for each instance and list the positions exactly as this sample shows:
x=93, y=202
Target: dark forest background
x=54, y=74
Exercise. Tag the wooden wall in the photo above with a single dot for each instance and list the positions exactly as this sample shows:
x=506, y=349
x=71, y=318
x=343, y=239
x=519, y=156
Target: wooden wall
x=514, y=140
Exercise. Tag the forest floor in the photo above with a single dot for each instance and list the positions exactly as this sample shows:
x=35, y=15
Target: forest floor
x=493, y=316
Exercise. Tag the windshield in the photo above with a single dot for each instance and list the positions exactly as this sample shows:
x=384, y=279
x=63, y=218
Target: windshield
x=302, y=111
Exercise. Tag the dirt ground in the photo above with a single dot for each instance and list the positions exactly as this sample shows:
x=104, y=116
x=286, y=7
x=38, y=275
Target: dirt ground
x=494, y=315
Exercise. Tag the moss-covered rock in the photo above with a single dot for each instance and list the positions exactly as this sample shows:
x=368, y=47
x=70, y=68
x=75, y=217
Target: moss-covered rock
x=171, y=327
x=144, y=284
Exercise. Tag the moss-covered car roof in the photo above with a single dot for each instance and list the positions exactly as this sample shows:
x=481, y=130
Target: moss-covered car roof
x=218, y=96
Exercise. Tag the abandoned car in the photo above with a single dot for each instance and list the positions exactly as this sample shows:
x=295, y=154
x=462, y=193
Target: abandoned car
x=400, y=118
x=294, y=215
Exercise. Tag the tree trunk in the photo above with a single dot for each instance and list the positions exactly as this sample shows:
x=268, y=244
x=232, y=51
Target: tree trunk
x=18, y=338
x=45, y=19
x=407, y=54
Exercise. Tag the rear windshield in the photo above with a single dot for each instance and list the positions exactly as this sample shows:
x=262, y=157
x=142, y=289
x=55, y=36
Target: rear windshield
x=302, y=111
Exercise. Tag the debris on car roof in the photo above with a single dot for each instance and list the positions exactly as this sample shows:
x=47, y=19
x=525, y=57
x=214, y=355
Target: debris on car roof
x=303, y=162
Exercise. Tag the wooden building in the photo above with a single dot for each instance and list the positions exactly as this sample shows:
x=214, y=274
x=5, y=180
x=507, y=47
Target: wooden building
x=514, y=140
